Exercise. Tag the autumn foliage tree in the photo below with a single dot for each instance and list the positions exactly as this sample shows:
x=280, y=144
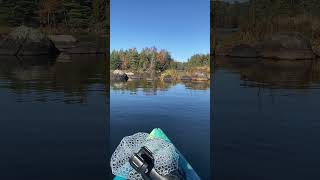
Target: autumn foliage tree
x=77, y=14
x=151, y=60
x=49, y=10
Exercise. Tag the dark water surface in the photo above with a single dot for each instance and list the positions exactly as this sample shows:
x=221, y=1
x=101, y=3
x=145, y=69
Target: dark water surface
x=266, y=119
x=52, y=118
x=182, y=110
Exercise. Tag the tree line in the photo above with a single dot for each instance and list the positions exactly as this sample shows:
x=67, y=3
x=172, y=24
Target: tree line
x=52, y=13
x=231, y=15
x=257, y=20
x=152, y=59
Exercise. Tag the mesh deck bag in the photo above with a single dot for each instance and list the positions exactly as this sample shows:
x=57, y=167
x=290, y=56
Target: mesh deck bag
x=164, y=153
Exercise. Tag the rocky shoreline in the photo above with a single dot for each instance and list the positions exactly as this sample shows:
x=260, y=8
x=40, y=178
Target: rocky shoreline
x=27, y=41
x=119, y=75
x=281, y=46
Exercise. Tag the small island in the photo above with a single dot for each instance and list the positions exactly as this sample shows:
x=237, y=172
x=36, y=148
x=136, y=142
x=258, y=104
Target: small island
x=152, y=64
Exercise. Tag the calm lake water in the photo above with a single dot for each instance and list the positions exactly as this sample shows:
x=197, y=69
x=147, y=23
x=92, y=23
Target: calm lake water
x=181, y=110
x=53, y=118
x=266, y=119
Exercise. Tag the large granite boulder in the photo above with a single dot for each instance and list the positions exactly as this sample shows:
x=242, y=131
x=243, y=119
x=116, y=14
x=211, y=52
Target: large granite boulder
x=64, y=42
x=26, y=41
x=118, y=75
x=63, y=39
x=243, y=51
x=289, y=46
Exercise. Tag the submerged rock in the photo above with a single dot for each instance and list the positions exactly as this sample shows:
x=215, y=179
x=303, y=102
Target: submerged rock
x=26, y=41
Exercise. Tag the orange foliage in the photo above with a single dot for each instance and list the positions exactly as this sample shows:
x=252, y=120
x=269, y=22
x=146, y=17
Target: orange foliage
x=47, y=9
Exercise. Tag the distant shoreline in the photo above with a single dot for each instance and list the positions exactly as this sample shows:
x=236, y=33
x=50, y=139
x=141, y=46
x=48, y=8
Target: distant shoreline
x=171, y=75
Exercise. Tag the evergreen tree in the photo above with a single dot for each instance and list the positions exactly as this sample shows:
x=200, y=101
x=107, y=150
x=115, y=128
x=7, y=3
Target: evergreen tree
x=96, y=10
x=19, y=12
x=71, y=13
x=143, y=60
x=133, y=59
x=115, y=60
x=77, y=13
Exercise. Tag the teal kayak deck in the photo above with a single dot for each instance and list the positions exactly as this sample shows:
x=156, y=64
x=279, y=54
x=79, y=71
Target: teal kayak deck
x=184, y=167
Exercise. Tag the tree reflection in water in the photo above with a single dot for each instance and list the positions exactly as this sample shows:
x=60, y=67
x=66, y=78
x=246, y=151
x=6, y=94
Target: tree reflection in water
x=153, y=87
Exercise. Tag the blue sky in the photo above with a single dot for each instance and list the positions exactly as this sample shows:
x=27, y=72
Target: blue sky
x=180, y=26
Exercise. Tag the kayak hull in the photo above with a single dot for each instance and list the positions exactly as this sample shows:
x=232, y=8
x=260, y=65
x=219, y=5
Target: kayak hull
x=185, y=169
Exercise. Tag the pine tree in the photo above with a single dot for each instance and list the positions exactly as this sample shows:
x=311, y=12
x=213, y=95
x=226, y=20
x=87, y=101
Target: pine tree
x=11, y=12
x=115, y=60
x=77, y=13
x=133, y=58
x=96, y=11
x=21, y=12
x=4, y=11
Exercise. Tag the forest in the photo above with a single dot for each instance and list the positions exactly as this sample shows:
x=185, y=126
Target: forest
x=152, y=59
x=53, y=14
x=256, y=20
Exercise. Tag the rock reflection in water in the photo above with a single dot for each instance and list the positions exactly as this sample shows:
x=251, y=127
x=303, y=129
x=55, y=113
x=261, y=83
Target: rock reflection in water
x=39, y=76
x=266, y=118
x=299, y=74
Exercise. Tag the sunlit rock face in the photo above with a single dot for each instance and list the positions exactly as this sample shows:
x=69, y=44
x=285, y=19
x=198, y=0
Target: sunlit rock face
x=118, y=75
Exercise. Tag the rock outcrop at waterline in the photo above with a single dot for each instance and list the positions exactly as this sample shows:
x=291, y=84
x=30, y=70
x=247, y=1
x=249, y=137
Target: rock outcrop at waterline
x=68, y=44
x=118, y=75
x=287, y=46
x=243, y=50
x=186, y=78
x=199, y=76
x=167, y=78
x=290, y=46
x=26, y=41
x=63, y=39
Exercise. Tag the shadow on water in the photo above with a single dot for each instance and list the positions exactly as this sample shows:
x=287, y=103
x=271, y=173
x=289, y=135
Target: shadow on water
x=53, y=118
x=265, y=119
